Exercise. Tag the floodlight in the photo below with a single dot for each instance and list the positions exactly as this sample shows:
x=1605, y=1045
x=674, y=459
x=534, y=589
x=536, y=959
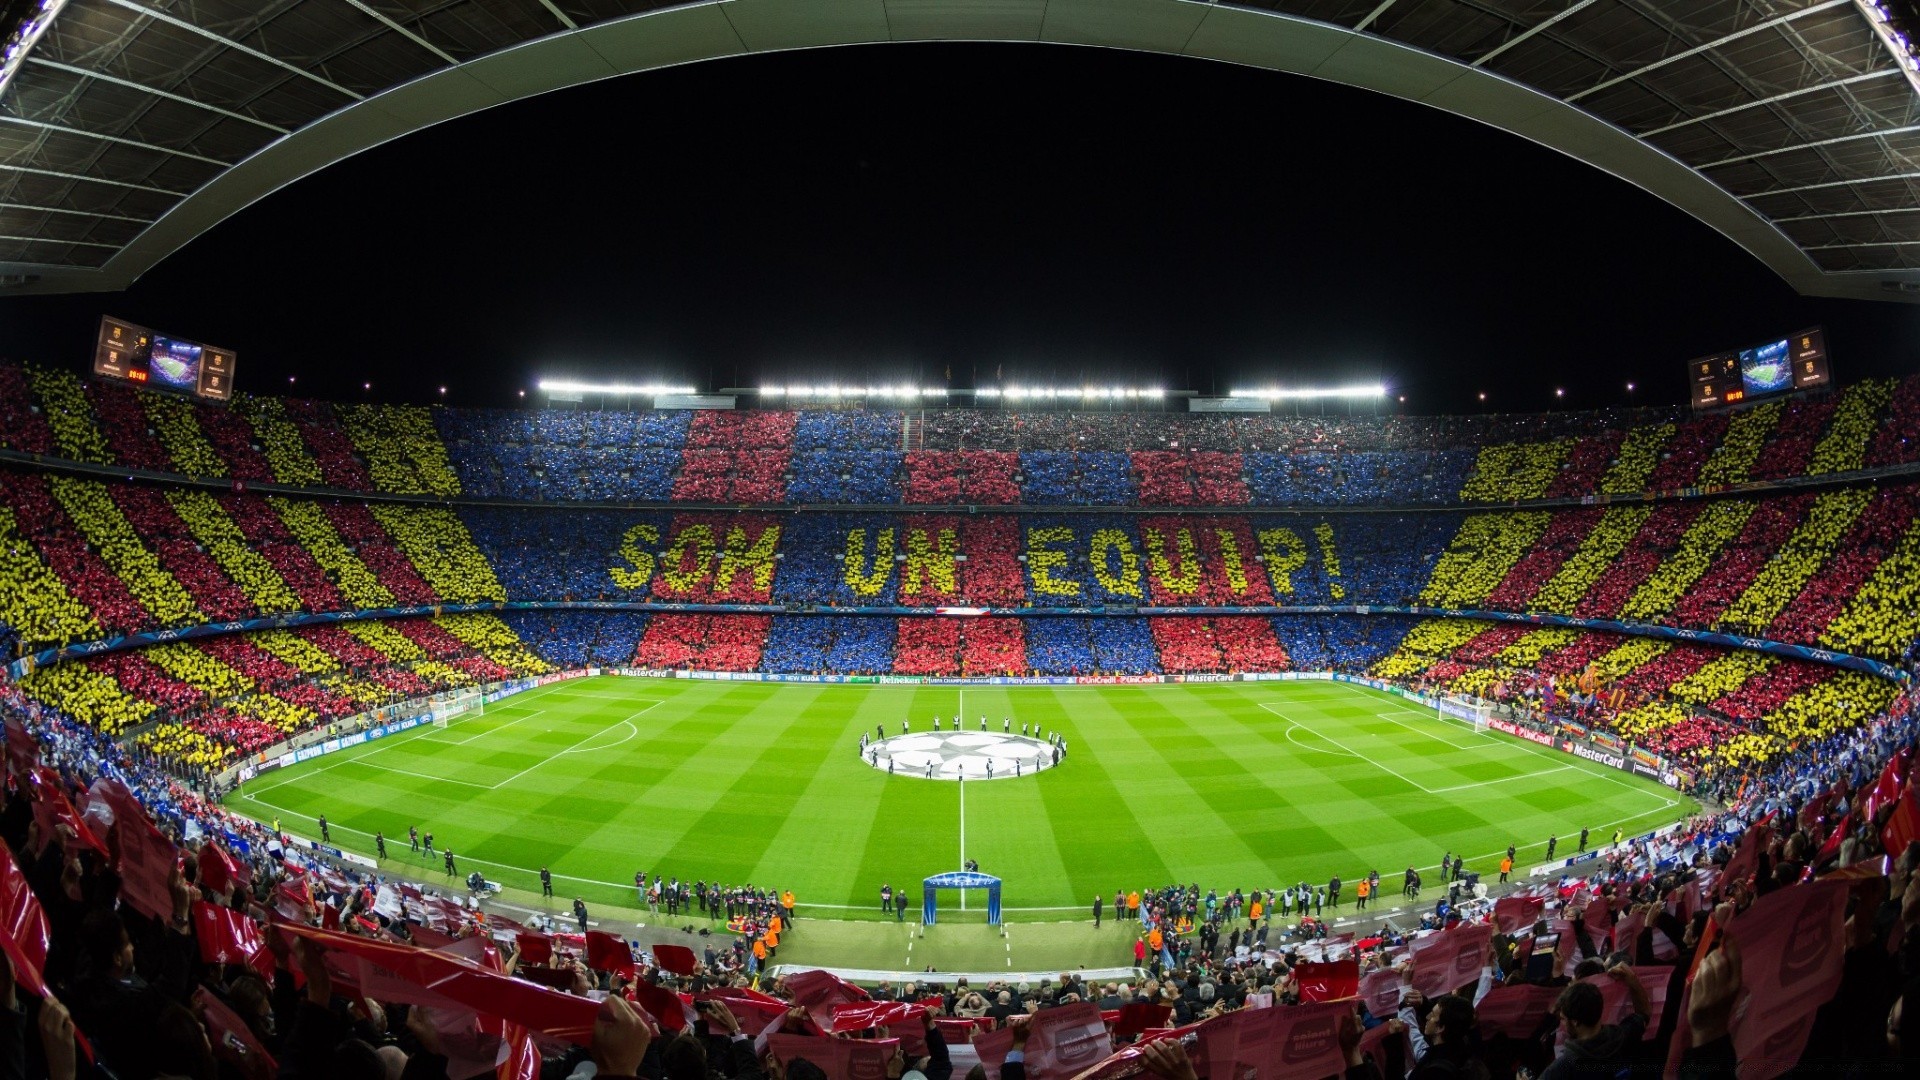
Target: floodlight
x=904, y=391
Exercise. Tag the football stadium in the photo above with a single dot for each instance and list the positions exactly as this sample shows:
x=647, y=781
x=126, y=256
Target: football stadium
x=771, y=687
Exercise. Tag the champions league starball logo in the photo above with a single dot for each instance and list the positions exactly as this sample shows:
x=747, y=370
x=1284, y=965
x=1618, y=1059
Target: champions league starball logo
x=961, y=755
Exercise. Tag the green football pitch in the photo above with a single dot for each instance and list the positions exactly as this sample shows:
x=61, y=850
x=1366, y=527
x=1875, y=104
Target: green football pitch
x=1247, y=785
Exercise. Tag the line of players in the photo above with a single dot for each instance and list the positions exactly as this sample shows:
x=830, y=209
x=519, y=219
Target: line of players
x=871, y=754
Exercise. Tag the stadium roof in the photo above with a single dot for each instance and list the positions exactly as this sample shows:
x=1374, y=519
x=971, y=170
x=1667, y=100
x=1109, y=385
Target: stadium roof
x=132, y=126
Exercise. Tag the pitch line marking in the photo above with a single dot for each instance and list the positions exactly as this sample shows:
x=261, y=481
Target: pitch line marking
x=1350, y=751
x=1520, y=744
x=1330, y=753
x=519, y=700
x=1297, y=725
x=628, y=721
x=623, y=885
x=631, y=733
x=1428, y=734
x=1502, y=780
x=851, y=906
x=316, y=772
x=421, y=775
x=482, y=734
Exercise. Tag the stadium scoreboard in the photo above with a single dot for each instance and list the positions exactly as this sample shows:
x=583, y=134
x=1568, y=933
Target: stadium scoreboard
x=1796, y=362
x=138, y=355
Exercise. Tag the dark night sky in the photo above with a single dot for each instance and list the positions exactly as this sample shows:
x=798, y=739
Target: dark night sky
x=888, y=212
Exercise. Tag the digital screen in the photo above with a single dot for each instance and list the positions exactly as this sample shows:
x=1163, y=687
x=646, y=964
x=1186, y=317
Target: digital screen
x=1792, y=363
x=174, y=364
x=162, y=362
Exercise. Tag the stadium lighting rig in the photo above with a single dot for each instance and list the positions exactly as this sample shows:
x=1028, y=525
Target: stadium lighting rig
x=1366, y=392
x=1071, y=393
x=569, y=386
x=831, y=390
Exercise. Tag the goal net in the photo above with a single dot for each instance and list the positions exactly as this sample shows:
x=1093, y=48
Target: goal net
x=451, y=705
x=1469, y=711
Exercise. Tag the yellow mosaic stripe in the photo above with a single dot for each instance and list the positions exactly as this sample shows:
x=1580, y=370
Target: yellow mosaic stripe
x=1482, y=552
x=93, y=512
x=227, y=546
x=33, y=599
x=310, y=526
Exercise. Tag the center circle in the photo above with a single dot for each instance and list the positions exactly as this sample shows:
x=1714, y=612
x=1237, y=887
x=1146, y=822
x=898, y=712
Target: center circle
x=961, y=755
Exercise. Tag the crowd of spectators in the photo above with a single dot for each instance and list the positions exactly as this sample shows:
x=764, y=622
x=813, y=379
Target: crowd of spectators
x=89, y=507
x=818, y=645
x=986, y=559
x=960, y=646
x=233, y=447
x=1352, y=646
x=1789, y=449
x=564, y=453
x=180, y=553
x=981, y=457
x=230, y=694
x=866, y=645
x=23, y=424
x=1739, y=446
x=35, y=607
x=1081, y=478
x=703, y=642
x=1090, y=646
x=403, y=452
x=123, y=422
x=1335, y=478
x=373, y=545
x=331, y=450
x=1897, y=437
x=1224, y=644
x=1709, y=708
x=574, y=639
x=259, y=528
x=250, y=957
x=81, y=572
x=954, y=477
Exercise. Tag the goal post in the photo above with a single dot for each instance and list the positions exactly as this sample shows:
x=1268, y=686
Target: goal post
x=1470, y=711
x=450, y=705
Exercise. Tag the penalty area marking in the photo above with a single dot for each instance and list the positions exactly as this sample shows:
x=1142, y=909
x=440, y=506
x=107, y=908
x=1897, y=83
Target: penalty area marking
x=577, y=748
x=520, y=700
x=582, y=743
x=1291, y=728
x=479, y=734
x=1560, y=767
x=632, y=732
x=1482, y=737
x=622, y=886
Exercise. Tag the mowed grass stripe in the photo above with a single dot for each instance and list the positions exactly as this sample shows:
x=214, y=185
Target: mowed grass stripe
x=1256, y=840
x=760, y=783
x=1295, y=797
x=625, y=808
x=915, y=830
x=833, y=819
x=1019, y=831
x=1395, y=819
x=732, y=836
